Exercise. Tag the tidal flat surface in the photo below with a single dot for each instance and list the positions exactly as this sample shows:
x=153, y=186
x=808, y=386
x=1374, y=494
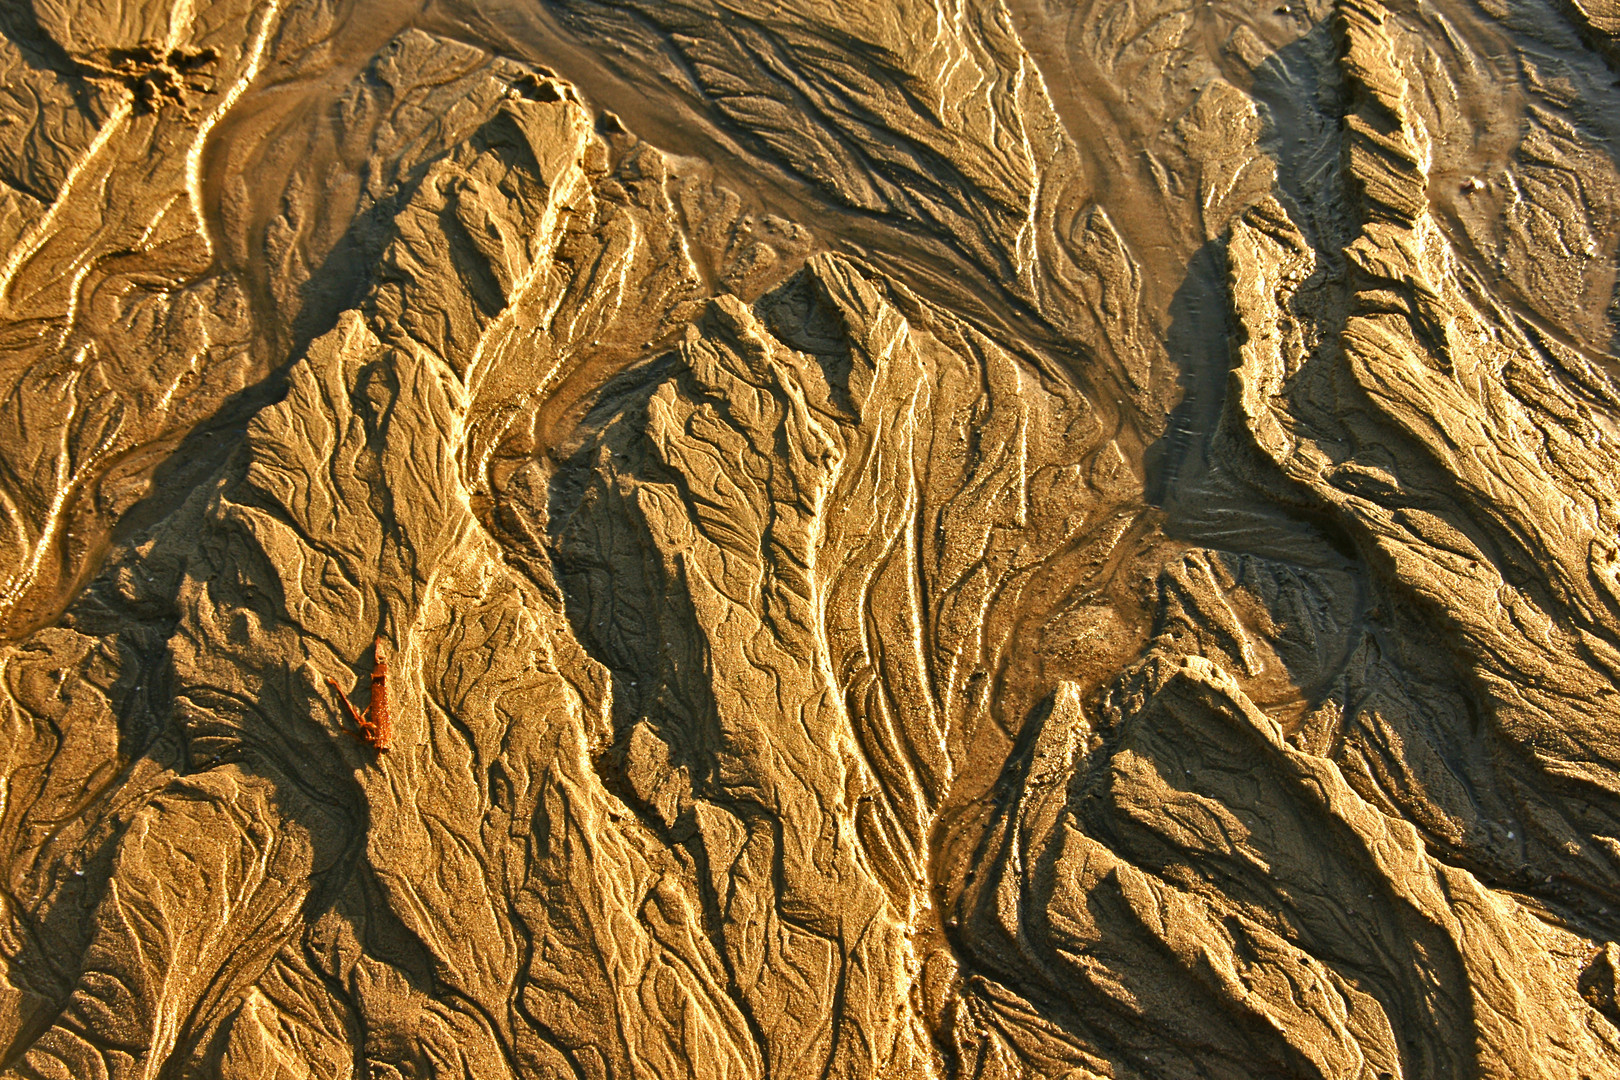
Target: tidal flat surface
x=641, y=539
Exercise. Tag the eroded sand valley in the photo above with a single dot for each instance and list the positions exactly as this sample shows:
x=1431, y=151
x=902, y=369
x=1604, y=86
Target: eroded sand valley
x=935, y=538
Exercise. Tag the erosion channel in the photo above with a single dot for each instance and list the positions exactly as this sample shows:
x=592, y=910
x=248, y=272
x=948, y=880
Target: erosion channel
x=643, y=539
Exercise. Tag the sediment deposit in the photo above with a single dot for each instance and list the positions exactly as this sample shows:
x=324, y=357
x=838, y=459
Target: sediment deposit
x=943, y=538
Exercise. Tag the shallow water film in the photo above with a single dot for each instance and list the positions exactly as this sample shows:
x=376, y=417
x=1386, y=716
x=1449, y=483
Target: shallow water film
x=643, y=539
